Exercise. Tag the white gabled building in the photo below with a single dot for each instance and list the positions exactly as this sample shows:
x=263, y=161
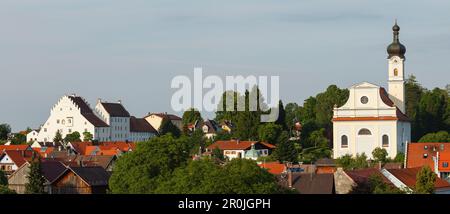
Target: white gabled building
x=32, y=136
x=141, y=130
x=72, y=114
x=373, y=117
x=117, y=117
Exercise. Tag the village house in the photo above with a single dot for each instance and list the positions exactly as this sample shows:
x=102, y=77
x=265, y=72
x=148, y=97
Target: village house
x=156, y=119
x=14, y=156
x=407, y=178
x=32, y=135
x=82, y=180
x=434, y=155
x=241, y=149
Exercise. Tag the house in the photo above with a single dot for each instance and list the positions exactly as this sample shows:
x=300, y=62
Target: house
x=37, y=144
x=141, y=130
x=210, y=128
x=11, y=160
x=78, y=147
x=242, y=149
x=82, y=180
x=32, y=135
x=308, y=183
x=72, y=114
x=227, y=126
x=104, y=161
x=325, y=165
x=352, y=181
x=407, y=178
x=434, y=155
x=50, y=171
x=155, y=119
x=373, y=116
x=117, y=117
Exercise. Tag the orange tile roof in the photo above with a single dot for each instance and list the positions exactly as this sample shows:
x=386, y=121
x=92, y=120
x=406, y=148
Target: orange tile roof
x=273, y=167
x=14, y=147
x=44, y=151
x=444, y=158
x=19, y=157
x=421, y=154
x=408, y=177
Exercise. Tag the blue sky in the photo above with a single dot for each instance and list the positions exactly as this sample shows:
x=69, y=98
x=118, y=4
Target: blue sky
x=130, y=50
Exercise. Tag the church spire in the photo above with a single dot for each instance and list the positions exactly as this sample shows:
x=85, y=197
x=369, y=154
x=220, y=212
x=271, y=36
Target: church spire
x=396, y=48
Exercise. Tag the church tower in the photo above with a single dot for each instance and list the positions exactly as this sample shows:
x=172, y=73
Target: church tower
x=396, y=61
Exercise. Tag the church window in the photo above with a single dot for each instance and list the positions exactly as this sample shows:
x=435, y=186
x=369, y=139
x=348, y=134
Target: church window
x=364, y=132
x=364, y=100
x=395, y=72
x=344, y=141
x=385, y=141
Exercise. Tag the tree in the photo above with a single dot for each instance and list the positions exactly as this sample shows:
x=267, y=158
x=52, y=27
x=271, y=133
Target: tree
x=5, y=190
x=36, y=181
x=431, y=113
x=239, y=176
x=58, y=137
x=269, y=132
x=5, y=129
x=281, y=116
x=375, y=185
x=380, y=155
x=292, y=114
x=399, y=158
x=218, y=154
x=142, y=170
x=18, y=139
x=87, y=136
x=441, y=136
x=168, y=127
x=3, y=178
x=73, y=137
x=190, y=116
x=285, y=150
x=425, y=181
x=349, y=163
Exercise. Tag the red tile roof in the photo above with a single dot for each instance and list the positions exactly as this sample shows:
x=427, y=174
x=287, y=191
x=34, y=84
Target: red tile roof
x=44, y=151
x=19, y=157
x=237, y=145
x=421, y=154
x=80, y=147
x=444, y=158
x=273, y=167
x=14, y=147
x=362, y=175
x=408, y=177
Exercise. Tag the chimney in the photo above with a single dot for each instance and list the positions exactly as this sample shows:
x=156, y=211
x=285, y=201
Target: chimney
x=289, y=177
x=119, y=101
x=238, y=141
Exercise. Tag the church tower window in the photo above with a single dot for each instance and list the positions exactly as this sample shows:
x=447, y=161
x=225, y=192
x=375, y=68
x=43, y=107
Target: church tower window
x=364, y=132
x=395, y=72
x=344, y=141
x=385, y=141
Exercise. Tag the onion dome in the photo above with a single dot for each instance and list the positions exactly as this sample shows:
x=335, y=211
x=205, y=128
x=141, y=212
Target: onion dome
x=396, y=48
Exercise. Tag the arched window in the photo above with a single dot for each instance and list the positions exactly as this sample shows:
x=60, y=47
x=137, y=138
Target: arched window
x=385, y=141
x=344, y=141
x=395, y=72
x=364, y=132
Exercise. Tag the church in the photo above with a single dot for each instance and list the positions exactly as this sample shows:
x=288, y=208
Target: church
x=373, y=116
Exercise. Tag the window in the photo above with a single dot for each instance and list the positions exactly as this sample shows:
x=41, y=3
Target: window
x=364, y=132
x=445, y=164
x=57, y=121
x=364, y=100
x=395, y=72
x=344, y=141
x=425, y=155
x=45, y=129
x=385, y=140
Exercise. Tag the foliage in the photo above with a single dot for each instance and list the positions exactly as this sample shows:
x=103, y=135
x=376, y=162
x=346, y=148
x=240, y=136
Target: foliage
x=36, y=180
x=5, y=129
x=270, y=132
x=347, y=162
x=375, y=185
x=425, y=180
x=18, y=139
x=399, y=158
x=73, y=137
x=3, y=178
x=58, y=137
x=281, y=121
x=190, y=116
x=380, y=155
x=286, y=150
x=239, y=176
x=5, y=190
x=441, y=136
x=141, y=171
x=168, y=127
x=218, y=154
x=87, y=136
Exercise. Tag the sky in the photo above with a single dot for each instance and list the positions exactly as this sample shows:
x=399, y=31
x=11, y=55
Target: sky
x=131, y=50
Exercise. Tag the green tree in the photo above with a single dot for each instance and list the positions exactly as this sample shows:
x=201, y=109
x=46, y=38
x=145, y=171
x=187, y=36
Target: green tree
x=431, y=112
x=87, y=136
x=375, y=185
x=190, y=116
x=413, y=93
x=73, y=137
x=36, y=181
x=441, y=136
x=269, y=132
x=218, y=154
x=380, y=155
x=399, y=158
x=3, y=178
x=425, y=180
x=239, y=176
x=5, y=129
x=142, y=170
x=286, y=150
x=19, y=139
x=5, y=190
x=348, y=162
x=281, y=116
x=292, y=114
x=168, y=127
x=58, y=137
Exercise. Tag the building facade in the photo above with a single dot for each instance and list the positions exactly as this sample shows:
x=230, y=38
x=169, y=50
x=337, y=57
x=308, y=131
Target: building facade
x=373, y=117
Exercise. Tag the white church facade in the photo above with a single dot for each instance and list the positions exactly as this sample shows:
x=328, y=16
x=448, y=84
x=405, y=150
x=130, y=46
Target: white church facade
x=373, y=117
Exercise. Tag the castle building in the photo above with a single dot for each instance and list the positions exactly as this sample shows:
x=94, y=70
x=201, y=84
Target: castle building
x=373, y=117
